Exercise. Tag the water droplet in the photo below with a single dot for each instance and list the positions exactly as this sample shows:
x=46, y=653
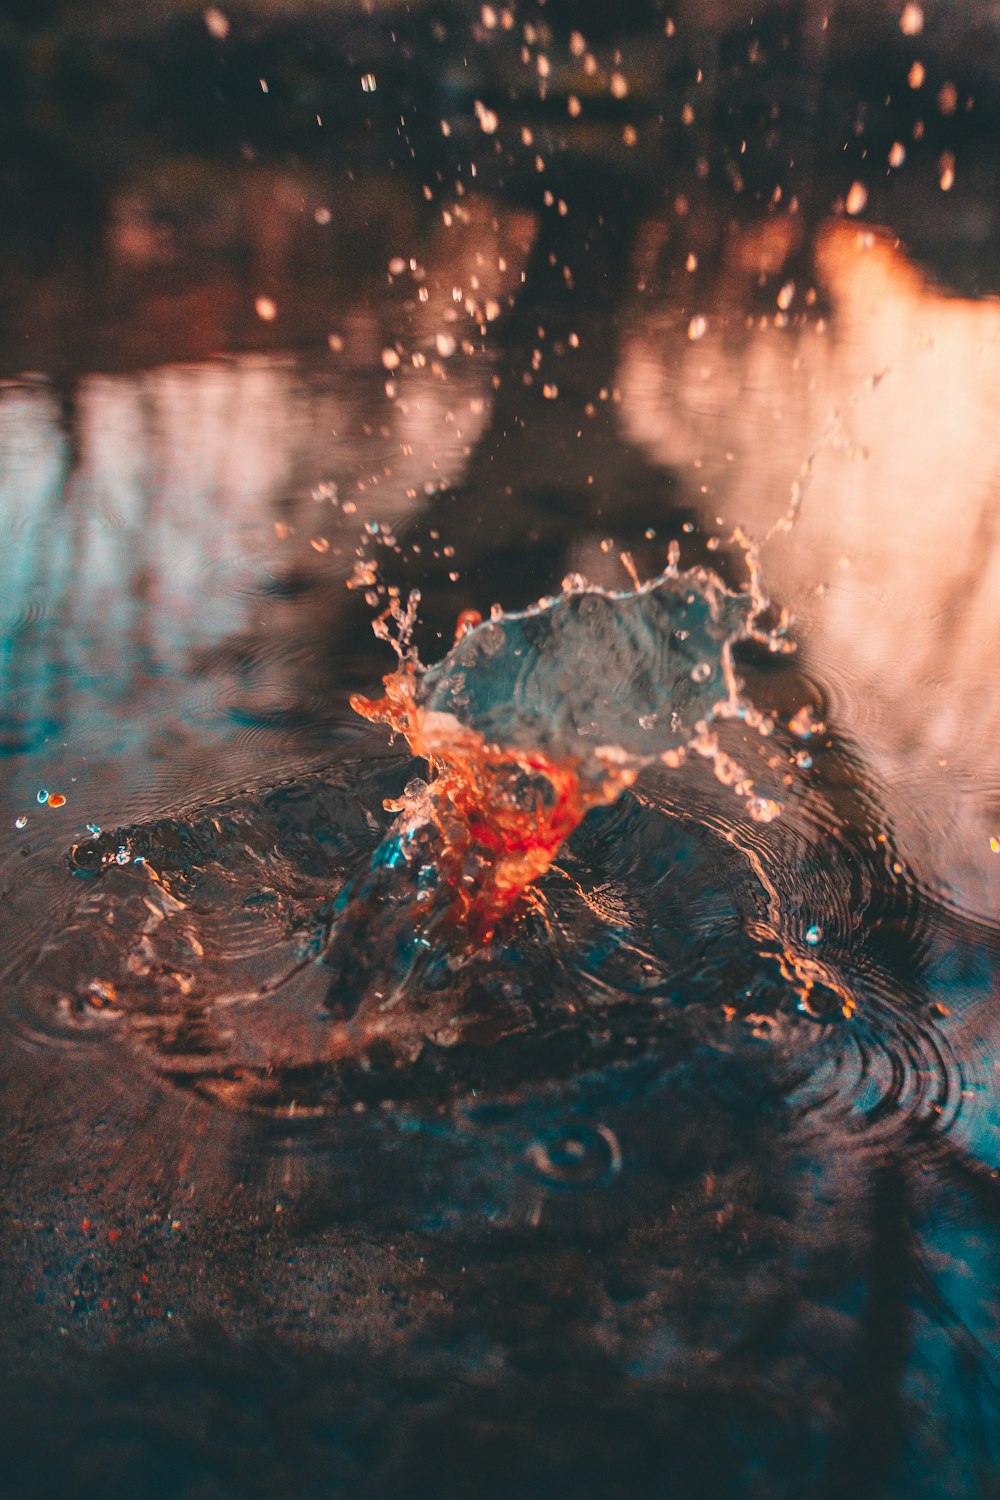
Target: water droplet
x=56, y=799
x=122, y=856
x=217, y=23
x=41, y=796
x=488, y=119
x=947, y=99
x=698, y=327
x=702, y=672
x=803, y=760
x=763, y=809
x=804, y=723
x=94, y=829
x=21, y=822
x=368, y=83
x=911, y=22
x=266, y=309
x=856, y=198
x=813, y=935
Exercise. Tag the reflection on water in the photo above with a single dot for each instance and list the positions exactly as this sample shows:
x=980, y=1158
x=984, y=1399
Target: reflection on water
x=677, y=1175
x=894, y=568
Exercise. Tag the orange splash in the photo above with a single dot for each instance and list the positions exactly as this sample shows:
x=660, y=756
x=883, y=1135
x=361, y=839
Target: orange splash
x=501, y=813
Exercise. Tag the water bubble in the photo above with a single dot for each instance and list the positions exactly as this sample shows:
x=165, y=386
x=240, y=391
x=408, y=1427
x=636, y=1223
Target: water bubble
x=578, y=1158
x=41, y=797
x=813, y=935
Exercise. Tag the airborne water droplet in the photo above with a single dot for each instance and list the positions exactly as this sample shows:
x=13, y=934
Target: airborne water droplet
x=856, y=198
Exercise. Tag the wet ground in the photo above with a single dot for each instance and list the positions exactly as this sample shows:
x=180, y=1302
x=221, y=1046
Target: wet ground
x=687, y=1181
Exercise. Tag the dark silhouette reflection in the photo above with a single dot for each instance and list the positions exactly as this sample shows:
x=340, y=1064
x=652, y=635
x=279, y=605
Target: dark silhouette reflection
x=553, y=474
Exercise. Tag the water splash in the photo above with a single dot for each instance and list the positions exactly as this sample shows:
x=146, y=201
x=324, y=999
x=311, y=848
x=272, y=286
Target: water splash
x=533, y=718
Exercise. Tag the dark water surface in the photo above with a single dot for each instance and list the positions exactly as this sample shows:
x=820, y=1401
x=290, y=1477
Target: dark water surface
x=688, y=1182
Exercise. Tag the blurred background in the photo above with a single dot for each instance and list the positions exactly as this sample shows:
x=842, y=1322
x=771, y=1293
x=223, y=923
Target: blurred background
x=522, y=285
